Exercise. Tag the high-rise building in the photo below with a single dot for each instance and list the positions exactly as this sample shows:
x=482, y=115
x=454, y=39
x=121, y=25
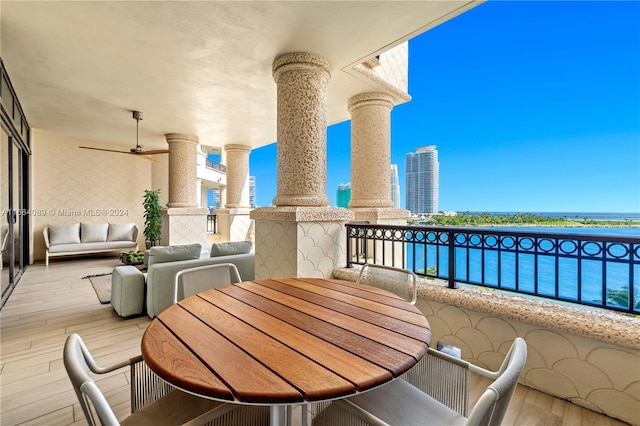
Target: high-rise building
x=395, y=187
x=423, y=176
x=252, y=192
x=344, y=195
x=213, y=200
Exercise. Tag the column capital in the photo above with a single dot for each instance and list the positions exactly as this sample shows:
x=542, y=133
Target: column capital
x=237, y=147
x=370, y=98
x=181, y=137
x=300, y=61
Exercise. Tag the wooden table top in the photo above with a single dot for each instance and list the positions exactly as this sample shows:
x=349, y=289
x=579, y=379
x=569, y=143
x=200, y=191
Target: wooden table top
x=286, y=340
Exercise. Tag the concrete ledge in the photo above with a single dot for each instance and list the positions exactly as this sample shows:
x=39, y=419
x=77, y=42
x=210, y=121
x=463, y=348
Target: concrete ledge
x=597, y=324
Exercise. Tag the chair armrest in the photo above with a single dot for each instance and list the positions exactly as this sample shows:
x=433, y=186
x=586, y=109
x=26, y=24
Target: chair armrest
x=45, y=234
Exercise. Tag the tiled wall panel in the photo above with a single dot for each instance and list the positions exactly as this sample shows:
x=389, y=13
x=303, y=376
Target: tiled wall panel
x=79, y=185
x=600, y=376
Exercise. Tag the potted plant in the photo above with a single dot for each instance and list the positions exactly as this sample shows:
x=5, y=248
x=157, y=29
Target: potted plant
x=131, y=257
x=152, y=218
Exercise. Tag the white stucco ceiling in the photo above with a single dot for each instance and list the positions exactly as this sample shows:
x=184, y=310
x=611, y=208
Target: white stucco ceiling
x=201, y=68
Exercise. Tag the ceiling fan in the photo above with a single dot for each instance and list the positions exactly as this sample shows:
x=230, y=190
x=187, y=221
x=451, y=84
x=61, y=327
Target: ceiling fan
x=138, y=150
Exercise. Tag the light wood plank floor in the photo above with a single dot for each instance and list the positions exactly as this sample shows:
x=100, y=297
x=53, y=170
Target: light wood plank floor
x=52, y=302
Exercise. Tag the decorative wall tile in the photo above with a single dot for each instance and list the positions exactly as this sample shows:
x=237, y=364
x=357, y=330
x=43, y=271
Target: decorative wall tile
x=71, y=184
x=394, y=66
x=291, y=248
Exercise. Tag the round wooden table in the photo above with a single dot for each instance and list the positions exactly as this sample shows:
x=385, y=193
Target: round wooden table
x=285, y=341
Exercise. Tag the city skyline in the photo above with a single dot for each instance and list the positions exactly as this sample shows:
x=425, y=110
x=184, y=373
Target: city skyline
x=534, y=107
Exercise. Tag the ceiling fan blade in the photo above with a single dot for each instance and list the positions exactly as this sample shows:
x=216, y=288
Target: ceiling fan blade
x=102, y=149
x=137, y=154
x=156, y=151
x=153, y=160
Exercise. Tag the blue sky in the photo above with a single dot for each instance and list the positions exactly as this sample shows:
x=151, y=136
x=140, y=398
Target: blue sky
x=534, y=107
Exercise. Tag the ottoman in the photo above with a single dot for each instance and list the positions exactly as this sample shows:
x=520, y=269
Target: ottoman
x=127, y=290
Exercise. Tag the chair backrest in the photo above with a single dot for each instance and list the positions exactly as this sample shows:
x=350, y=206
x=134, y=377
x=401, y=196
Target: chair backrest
x=492, y=405
x=395, y=280
x=78, y=362
x=195, y=280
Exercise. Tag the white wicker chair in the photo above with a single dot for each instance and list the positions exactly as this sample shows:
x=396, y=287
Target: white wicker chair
x=153, y=401
x=195, y=280
x=395, y=280
x=400, y=403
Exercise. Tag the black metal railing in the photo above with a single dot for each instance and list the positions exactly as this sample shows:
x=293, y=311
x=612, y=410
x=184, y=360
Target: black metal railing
x=595, y=270
x=216, y=166
x=212, y=223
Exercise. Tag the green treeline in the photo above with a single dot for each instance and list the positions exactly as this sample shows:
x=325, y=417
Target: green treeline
x=518, y=219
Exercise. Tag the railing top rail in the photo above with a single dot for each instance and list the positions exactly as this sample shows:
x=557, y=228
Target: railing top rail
x=510, y=232
x=216, y=166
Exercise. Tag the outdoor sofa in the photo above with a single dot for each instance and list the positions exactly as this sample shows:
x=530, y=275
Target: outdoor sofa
x=132, y=290
x=88, y=238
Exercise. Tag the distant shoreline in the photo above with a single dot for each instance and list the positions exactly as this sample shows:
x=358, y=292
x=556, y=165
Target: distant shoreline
x=574, y=216
x=529, y=220
x=538, y=225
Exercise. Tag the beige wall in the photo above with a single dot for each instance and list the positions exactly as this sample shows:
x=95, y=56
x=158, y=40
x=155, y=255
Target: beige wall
x=160, y=177
x=70, y=184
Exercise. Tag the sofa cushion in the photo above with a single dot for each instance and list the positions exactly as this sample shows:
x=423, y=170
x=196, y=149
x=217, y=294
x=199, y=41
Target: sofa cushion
x=91, y=247
x=120, y=232
x=93, y=232
x=64, y=234
x=173, y=253
x=235, y=247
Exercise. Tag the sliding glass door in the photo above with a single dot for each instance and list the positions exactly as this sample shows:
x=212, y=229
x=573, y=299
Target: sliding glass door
x=14, y=188
x=7, y=258
x=13, y=222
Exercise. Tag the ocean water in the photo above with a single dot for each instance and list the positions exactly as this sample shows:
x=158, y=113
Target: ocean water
x=502, y=268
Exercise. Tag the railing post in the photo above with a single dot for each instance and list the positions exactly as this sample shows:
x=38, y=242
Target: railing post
x=349, y=252
x=452, y=260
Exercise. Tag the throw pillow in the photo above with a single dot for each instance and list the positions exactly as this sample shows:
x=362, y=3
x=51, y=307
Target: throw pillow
x=235, y=247
x=173, y=253
x=121, y=232
x=64, y=234
x=93, y=232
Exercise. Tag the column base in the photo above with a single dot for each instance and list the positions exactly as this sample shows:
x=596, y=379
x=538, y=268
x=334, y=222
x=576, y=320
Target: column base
x=184, y=226
x=300, y=241
x=306, y=201
x=382, y=216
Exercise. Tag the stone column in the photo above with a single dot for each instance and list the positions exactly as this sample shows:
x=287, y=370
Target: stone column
x=301, y=236
x=184, y=221
x=182, y=170
x=201, y=194
x=234, y=222
x=223, y=188
x=371, y=165
x=237, y=176
x=370, y=150
x=302, y=80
